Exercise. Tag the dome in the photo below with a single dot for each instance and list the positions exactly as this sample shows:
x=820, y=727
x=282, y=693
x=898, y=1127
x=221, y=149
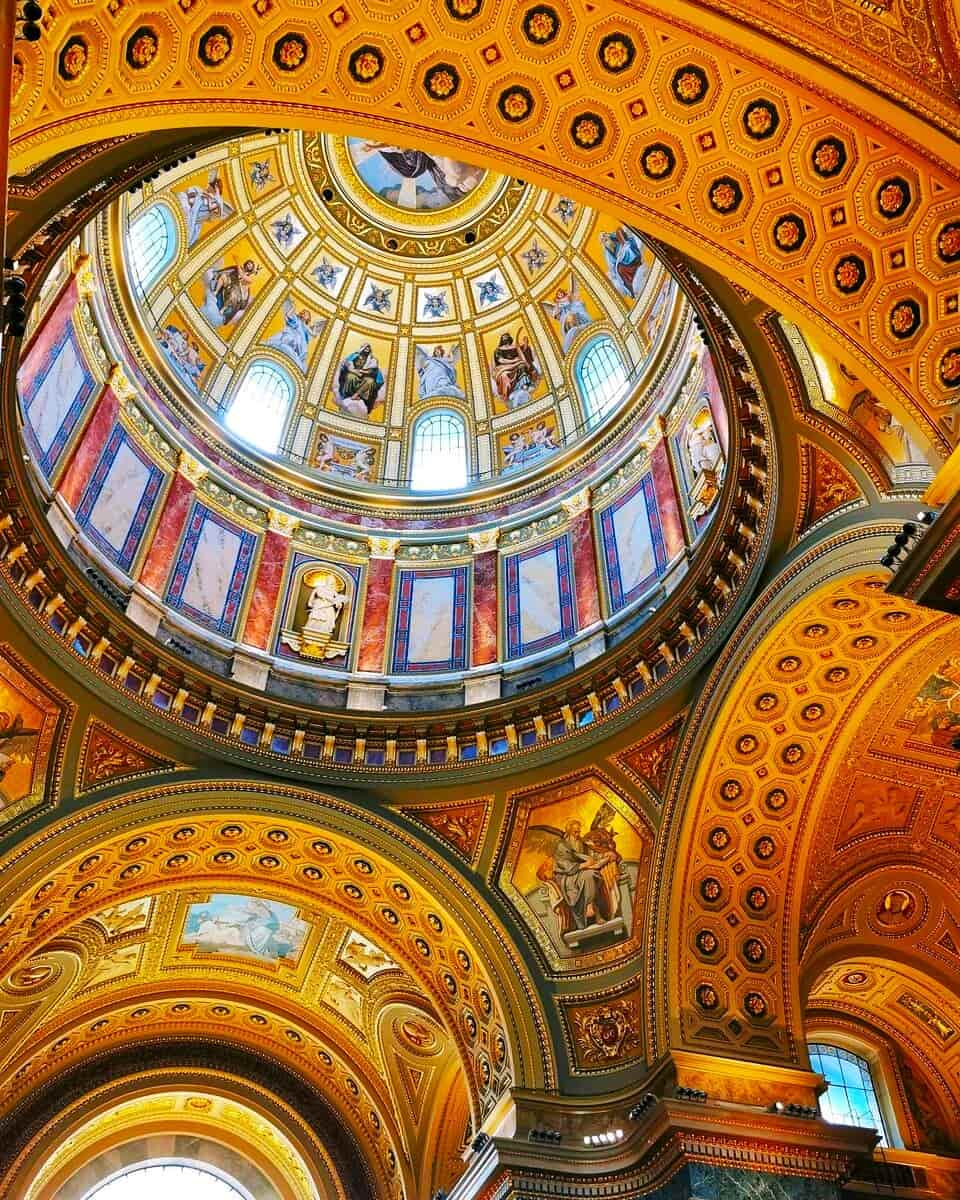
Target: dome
x=376, y=317
x=358, y=427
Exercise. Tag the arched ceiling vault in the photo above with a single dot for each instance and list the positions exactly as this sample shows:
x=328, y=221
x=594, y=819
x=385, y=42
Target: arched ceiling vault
x=831, y=712
x=702, y=131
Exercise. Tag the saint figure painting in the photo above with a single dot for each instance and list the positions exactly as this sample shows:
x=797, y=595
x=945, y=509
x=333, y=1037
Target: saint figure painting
x=412, y=179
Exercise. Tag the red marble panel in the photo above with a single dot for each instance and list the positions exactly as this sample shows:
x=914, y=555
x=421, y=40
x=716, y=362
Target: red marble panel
x=373, y=632
x=266, y=590
x=173, y=518
x=668, y=501
x=88, y=449
x=46, y=335
x=484, y=608
x=585, y=569
x=718, y=408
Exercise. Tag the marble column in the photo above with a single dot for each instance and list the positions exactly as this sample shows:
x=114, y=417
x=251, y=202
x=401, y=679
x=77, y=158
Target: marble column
x=718, y=408
x=269, y=579
x=372, y=655
x=173, y=518
x=586, y=582
x=54, y=322
x=485, y=612
x=668, y=498
x=86, y=453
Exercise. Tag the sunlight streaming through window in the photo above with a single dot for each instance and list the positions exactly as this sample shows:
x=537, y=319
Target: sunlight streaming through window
x=601, y=377
x=161, y=1181
x=259, y=409
x=439, y=458
x=851, y=1097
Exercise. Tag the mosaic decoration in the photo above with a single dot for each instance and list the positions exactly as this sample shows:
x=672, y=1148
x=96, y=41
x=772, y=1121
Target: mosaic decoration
x=108, y=756
x=461, y=825
x=33, y=720
x=245, y=926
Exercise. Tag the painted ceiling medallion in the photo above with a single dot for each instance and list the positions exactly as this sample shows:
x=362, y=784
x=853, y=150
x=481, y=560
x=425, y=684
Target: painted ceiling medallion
x=142, y=47
x=464, y=10
x=588, y=130
x=689, y=84
x=829, y=157
x=617, y=53
x=290, y=51
x=442, y=81
x=893, y=197
x=789, y=233
x=949, y=369
x=726, y=194
x=761, y=119
x=73, y=58
x=850, y=274
x=515, y=103
x=905, y=318
x=366, y=64
x=658, y=161
x=541, y=24
x=707, y=998
x=216, y=46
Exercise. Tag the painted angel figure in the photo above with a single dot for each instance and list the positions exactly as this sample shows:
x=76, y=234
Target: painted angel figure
x=565, y=209
x=228, y=292
x=298, y=329
x=286, y=231
x=438, y=373
x=378, y=298
x=435, y=304
x=183, y=352
x=489, y=291
x=203, y=205
x=260, y=174
x=626, y=266
x=568, y=310
x=327, y=274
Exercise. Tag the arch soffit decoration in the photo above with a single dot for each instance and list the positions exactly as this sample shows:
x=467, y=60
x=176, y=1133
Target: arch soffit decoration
x=731, y=952
x=318, y=865
x=703, y=139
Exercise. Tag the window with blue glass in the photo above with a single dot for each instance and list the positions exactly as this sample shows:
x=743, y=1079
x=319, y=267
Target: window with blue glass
x=851, y=1095
x=601, y=377
x=438, y=458
x=259, y=409
x=152, y=241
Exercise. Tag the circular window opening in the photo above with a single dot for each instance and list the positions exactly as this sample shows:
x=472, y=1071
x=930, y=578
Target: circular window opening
x=160, y=1181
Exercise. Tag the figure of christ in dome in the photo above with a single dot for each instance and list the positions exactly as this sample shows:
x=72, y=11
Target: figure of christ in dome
x=360, y=383
x=437, y=372
x=227, y=292
x=202, y=205
x=569, y=311
x=626, y=268
x=447, y=180
x=514, y=370
x=298, y=328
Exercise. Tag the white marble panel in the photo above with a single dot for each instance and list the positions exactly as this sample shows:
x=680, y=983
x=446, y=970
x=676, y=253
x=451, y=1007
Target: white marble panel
x=116, y=506
x=208, y=580
x=539, y=597
x=53, y=398
x=634, y=543
x=431, y=620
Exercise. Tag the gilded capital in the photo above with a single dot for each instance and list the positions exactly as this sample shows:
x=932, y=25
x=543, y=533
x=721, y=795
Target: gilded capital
x=383, y=547
x=191, y=468
x=484, y=540
x=576, y=504
x=281, y=522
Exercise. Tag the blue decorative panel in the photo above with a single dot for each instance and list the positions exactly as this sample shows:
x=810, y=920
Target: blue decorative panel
x=211, y=570
x=539, y=597
x=430, y=622
x=119, y=498
x=633, y=550
x=56, y=401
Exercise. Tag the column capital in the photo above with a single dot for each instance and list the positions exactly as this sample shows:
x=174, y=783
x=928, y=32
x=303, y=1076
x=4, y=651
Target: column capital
x=484, y=540
x=83, y=274
x=383, y=547
x=576, y=504
x=279, y=521
x=119, y=384
x=191, y=468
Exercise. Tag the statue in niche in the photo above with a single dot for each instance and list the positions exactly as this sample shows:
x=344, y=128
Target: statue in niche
x=327, y=607
x=705, y=458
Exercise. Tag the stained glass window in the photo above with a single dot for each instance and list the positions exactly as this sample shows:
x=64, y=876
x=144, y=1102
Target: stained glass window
x=601, y=377
x=851, y=1097
x=160, y=1181
x=258, y=412
x=438, y=462
x=152, y=241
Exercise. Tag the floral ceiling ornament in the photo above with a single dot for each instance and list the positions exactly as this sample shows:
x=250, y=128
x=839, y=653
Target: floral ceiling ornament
x=464, y=10
x=442, y=81
x=657, y=161
x=948, y=242
x=588, y=130
x=541, y=24
x=216, y=46
x=689, y=84
x=73, y=58
x=850, y=274
x=760, y=119
x=789, y=233
x=726, y=194
x=616, y=53
x=290, y=51
x=515, y=103
x=366, y=64
x=142, y=47
x=829, y=157
x=950, y=368
x=905, y=318
x=893, y=197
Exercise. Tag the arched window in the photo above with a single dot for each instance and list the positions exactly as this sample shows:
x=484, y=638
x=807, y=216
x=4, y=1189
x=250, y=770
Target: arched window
x=260, y=406
x=851, y=1096
x=438, y=459
x=158, y=1181
x=152, y=240
x=601, y=377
